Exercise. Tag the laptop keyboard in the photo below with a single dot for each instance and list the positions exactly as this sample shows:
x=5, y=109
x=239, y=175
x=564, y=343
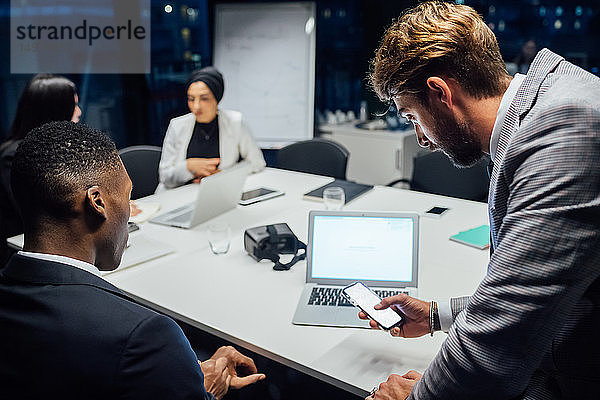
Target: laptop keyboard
x=331, y=296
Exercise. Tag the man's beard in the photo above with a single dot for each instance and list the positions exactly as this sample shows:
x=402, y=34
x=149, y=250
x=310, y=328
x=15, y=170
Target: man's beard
x=457, y=140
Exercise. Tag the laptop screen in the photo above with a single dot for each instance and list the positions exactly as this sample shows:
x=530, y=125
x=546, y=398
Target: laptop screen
x=363, y=247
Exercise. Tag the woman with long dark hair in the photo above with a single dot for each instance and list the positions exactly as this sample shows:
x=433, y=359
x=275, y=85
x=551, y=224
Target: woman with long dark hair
x=46, y=98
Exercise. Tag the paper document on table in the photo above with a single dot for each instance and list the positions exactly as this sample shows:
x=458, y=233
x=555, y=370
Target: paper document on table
x=16, y=242
x=148, y=210
x=141, y=249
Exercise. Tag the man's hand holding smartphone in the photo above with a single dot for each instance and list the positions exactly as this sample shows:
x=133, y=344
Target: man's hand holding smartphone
x=415, y=314
x=414, y=322
x=365, y=299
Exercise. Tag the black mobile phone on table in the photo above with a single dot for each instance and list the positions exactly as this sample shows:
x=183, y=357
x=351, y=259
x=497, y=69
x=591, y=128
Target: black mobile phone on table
x=364, y=298
x=132, y=227
x=436, y=211
x=260, y=194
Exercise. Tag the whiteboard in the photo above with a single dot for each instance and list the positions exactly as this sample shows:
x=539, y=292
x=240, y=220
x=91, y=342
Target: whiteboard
x=266, y=53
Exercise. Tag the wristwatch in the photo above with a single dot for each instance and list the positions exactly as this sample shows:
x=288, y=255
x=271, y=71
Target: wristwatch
x=434, y=318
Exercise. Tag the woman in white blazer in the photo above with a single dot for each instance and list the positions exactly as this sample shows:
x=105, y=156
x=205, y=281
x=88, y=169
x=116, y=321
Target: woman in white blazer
x=207, y=139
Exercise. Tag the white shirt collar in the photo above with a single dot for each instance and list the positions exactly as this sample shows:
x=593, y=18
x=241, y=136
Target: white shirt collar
x=507, y=99
x=63, y=260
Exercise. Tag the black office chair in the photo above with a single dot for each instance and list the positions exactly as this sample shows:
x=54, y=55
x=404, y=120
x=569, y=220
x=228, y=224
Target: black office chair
x=4, y=250
x=317, y=156
x=434, y=173
x=141, y=163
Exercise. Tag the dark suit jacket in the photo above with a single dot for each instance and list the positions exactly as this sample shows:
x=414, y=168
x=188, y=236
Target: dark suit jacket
x=10, y=219
x=531, y=329
x=8, y=206
x=68, y=334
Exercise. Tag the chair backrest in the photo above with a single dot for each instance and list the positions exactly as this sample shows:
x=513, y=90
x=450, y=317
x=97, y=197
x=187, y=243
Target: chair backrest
x=141, y=163
x=435, y=173
x=317, y=156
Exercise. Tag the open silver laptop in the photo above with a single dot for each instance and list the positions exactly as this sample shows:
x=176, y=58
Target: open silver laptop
x=216, y=194
x=379, y=249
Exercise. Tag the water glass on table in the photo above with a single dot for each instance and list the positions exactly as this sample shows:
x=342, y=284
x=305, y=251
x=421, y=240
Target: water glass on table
x=219, y=237
x=334, y=198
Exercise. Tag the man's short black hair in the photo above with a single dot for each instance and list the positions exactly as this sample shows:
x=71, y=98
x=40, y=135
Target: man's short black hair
x=53, y=162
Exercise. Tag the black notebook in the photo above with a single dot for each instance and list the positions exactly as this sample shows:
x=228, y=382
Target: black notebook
x=351, y=190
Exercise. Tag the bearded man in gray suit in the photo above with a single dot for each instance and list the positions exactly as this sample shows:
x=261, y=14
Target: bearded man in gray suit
x=530, y=330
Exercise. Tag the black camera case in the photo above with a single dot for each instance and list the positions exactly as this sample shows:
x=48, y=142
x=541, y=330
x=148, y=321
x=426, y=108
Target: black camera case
x=268, y=241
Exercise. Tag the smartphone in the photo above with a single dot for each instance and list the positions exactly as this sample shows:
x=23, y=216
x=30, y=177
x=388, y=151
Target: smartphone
x=364, y=298
x=260, y=194
x=132, y=227
x=436, y=211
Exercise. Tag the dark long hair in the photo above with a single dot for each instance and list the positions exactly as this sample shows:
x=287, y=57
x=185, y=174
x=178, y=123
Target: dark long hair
x=46, y=98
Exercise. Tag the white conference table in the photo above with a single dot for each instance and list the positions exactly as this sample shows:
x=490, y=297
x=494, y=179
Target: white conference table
x=250, y=305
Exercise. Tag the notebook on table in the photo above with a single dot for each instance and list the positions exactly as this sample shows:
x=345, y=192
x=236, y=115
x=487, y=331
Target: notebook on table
x=477, y=237
x=379, y=249
x=351, y=190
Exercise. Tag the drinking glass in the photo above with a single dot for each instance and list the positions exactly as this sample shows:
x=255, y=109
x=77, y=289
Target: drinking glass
x=334, y=198
x=219, y=237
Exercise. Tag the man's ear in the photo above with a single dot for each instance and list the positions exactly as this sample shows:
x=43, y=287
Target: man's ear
x=96, y=202
x=439, y=91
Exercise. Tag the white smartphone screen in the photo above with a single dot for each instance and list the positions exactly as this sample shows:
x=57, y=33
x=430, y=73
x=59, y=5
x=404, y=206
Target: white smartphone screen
x=362, y=297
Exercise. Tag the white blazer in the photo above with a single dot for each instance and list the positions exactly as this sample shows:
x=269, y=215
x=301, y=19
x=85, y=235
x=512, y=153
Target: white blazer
x=235, y=141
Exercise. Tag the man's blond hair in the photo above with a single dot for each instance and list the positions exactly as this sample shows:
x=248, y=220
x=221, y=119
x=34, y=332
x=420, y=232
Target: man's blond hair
x=438, y=39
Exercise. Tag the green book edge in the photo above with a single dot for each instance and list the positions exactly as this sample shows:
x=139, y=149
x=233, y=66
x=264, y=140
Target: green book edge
x=477, y=237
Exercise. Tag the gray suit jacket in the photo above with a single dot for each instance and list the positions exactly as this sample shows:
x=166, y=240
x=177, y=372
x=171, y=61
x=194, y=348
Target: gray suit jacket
x=532, y=328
